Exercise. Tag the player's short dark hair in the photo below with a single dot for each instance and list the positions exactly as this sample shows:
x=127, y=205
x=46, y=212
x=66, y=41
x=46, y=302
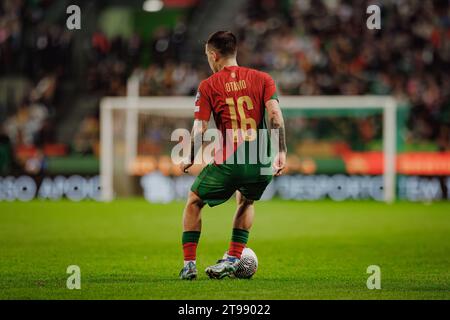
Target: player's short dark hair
x=224, y=42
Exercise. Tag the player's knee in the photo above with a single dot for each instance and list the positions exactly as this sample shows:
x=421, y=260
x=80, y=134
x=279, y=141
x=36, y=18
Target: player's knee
x=194, y=200
x=244, y=202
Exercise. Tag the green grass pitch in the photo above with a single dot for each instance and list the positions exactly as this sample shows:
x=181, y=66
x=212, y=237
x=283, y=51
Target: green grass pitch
x=129, y=249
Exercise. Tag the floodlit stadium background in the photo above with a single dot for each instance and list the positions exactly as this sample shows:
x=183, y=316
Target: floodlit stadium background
x=52, y=80
x=324, y=223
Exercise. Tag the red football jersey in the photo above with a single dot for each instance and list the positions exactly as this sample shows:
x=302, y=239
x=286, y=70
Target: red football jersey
x=236, y=96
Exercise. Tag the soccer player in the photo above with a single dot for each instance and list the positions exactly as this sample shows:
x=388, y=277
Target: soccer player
x=238, y=98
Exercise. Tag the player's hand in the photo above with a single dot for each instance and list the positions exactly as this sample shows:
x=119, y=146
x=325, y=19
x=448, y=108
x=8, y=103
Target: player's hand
x=185, y=167
x=279, y=163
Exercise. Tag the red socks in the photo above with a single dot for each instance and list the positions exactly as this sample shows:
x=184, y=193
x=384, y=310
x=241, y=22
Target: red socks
x=236, y=249
x=190, y=242
x=238, y=242
x=190, y=239
x=190, y=251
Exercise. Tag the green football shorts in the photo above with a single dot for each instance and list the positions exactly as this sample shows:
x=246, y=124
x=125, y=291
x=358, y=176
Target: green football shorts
x=217, y=183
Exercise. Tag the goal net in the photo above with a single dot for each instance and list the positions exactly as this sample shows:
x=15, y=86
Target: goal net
x=338, y=146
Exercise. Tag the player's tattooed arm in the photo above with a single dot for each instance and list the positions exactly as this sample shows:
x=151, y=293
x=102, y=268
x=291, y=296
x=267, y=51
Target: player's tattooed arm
x=276, y=122
x=279, y=125
x=198, y=129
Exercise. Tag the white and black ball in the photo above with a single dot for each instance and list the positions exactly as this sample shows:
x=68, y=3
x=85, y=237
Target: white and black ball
x=247, y=265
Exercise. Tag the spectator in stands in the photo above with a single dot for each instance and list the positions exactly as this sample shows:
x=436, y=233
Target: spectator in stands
x=87, y=138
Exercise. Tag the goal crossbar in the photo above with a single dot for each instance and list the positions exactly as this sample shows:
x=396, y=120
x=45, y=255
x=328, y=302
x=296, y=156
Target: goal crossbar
x=183, y=106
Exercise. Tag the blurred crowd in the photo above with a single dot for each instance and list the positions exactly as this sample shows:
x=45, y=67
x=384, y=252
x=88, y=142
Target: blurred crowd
x=29, y=44
x=324, y=48
x=34, y=56
x=310, y=47
x=112, y=61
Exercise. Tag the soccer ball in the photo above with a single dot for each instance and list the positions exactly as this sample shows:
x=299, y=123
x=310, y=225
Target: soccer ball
x=247, y=265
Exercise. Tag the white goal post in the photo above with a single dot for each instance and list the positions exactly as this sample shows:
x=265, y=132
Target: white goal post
x=183, y=106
